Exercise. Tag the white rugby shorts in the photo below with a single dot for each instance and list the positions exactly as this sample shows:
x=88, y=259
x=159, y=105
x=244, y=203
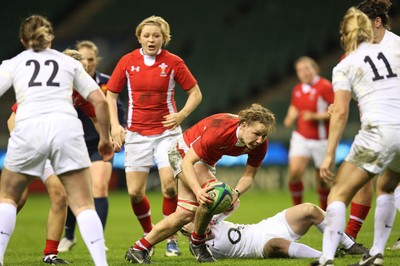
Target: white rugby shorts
x=310, y=148
x=141, y=152
x=376, y=148
x=175, y=153
x=56, y=137
x=48, y=171
x=249, y=240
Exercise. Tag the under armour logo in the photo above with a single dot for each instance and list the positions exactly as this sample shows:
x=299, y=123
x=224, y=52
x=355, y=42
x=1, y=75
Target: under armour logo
x=133, y=68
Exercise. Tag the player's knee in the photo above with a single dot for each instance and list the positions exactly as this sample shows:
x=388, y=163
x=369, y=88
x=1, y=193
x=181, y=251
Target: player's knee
x=169, y=192
x=311, y=210
x=58, y=199
x=187, y=217
x=100, y=189
x=136, y=196
x=322, y=184
x=275, y=248
x=295, y=175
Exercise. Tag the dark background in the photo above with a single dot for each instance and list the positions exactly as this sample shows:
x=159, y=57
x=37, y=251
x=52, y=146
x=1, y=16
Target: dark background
x=240, y=51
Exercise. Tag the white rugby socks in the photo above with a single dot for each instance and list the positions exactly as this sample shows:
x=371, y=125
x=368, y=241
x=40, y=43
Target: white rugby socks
x=299, y=250
x=8, y=214
x=335, y=219
x=92, y=233
x=385, y=212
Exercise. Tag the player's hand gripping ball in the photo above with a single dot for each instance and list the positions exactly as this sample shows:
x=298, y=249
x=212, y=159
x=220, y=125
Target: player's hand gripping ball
x=222, y=195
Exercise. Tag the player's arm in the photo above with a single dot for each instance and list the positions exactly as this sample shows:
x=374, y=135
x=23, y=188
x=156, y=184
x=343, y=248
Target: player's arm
x=337, y=124
x=291, y=116
x=96, y=125
x=117, y=131
x=11, y=122
x=317, y=116
x=246, y=181
x=98, y=100
x=327, y=96
x=189, y=177
x=194, y=98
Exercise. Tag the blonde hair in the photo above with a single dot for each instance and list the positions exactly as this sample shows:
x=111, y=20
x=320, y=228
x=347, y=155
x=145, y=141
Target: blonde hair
x=257, y=113
x=308, y=59
x=87, y=44
x=74, y=54
x=155, y=21
x=355, y=29
x=36, y=32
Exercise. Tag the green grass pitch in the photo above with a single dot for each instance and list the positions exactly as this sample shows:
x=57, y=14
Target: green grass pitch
x=122, y=229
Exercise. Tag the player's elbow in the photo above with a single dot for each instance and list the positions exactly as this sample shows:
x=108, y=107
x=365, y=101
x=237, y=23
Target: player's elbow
x=340, y=113
x=97, y=98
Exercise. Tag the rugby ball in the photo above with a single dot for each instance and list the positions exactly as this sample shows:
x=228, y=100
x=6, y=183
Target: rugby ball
x=222, y=196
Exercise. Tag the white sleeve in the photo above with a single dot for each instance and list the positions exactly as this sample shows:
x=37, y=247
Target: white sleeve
x=84, y=83
x=5, y=78
x=340, y=81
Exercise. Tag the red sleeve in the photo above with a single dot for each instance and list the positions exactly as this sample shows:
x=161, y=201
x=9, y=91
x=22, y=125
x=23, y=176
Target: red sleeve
x=294, y=100
x=14, y=107
x=88, y=109
x=327, y=92
x=184, y=77
x=117, y=80
x=84, y=105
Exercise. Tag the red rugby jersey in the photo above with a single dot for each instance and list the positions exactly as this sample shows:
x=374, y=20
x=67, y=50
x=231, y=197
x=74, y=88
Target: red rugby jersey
x=316, y=98
x=216, y=135
x=150, y=88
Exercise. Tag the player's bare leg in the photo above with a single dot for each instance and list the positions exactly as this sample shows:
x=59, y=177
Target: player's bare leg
x=55, y=220
x=139, y=252
x=80, y=199
x=12, y=186
x=101, y=174
x=202, y=218
x=297, y=168
x=169, y=192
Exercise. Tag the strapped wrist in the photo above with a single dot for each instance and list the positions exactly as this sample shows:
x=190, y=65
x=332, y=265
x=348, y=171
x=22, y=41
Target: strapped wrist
x=237, y=192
